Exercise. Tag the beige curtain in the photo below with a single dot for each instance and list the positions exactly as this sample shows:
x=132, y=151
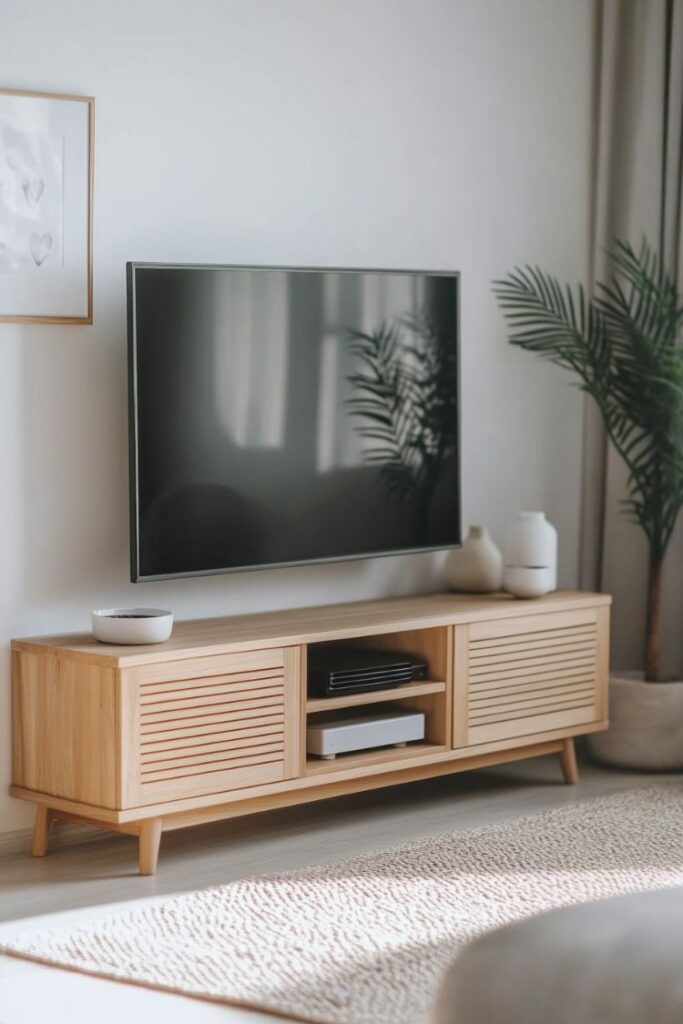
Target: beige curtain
x=638, y=155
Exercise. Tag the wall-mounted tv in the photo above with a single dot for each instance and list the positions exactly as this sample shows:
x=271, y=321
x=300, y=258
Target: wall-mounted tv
x=282, y=416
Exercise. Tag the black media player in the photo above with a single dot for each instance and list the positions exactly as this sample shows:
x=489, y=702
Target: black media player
x=336, y=670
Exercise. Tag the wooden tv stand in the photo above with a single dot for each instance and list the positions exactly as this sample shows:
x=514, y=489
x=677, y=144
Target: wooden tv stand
x=212, y=724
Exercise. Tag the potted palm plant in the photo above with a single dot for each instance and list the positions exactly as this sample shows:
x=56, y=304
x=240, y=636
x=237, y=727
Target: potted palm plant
x=624, y=345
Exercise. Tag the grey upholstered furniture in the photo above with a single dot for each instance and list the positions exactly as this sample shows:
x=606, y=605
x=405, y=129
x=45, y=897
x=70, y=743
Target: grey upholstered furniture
x=617, y=961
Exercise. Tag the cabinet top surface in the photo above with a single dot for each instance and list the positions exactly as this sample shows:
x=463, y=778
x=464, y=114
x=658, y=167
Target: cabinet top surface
x=307, y=625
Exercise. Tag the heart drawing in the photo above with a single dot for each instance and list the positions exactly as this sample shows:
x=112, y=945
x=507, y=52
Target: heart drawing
x=40, y=247
x=33, y=190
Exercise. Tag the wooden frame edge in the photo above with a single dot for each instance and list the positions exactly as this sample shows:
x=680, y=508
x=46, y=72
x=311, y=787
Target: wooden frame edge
x=571, y=600
x=311, y=788
x=90, y=812
x=111, y=820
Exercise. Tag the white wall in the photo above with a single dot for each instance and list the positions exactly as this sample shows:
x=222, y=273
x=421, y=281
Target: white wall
x=391, y=133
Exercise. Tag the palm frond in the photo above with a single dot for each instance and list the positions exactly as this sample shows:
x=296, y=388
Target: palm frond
x=624, y=345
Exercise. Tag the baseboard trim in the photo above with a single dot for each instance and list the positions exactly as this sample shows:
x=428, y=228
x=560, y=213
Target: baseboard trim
x=64, y=833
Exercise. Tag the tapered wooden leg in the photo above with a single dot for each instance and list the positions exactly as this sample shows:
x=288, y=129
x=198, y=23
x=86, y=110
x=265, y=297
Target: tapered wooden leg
x=568, y=759
x=150, y=838
x=41, y=830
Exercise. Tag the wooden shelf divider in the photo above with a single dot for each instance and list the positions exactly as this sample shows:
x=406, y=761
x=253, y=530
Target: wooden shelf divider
x=353, y=700
x=379, y=755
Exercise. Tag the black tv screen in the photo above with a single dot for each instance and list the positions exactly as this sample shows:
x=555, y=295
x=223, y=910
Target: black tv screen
x=282, y=416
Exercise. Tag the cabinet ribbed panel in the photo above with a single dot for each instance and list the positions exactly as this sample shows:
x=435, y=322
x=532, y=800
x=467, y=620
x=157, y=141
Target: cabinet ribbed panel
x=204, y=734
x=526, y=682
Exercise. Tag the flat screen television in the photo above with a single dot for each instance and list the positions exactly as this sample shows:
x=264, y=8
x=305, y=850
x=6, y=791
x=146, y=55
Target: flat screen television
x=283, y=416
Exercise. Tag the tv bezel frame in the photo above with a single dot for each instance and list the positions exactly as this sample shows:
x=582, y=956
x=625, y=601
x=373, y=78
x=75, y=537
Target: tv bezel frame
x=133, y=454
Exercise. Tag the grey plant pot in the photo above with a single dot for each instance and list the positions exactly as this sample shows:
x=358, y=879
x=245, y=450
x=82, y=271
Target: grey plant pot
x=646, y=725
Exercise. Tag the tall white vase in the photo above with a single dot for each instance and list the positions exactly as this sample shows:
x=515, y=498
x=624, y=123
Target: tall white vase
x=530, y=556
x=477, y=566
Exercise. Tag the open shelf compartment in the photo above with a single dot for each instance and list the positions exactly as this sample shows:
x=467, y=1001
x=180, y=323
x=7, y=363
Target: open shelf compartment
x=432, y=696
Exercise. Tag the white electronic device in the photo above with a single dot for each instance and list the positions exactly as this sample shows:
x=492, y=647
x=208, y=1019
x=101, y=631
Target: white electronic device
x=334, y=734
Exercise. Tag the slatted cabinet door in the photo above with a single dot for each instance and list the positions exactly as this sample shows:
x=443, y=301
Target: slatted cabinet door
x=205, y=725
x=533, y=674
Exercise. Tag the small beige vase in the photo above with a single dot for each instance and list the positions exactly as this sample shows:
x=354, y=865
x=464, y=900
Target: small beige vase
x=477, y=566
x=646, y=725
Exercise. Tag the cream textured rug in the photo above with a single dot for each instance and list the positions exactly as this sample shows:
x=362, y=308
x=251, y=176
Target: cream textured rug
x=366, y=941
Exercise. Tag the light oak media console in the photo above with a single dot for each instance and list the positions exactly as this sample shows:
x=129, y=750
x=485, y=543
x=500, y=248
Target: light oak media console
x=212, y=723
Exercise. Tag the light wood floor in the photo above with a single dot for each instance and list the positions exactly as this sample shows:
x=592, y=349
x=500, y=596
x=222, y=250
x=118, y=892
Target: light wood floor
x=77, y=881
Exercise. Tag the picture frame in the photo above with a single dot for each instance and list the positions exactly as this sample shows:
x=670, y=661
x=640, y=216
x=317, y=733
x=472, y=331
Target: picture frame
x=47, y=143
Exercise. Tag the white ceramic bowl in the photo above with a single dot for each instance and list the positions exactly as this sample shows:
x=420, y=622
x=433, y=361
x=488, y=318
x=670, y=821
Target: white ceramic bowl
x=132, y=625
x=528, y=581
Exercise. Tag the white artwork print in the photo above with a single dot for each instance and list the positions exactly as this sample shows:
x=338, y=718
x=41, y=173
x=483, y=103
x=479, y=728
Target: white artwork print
x=31, y=200
x=46, y=176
